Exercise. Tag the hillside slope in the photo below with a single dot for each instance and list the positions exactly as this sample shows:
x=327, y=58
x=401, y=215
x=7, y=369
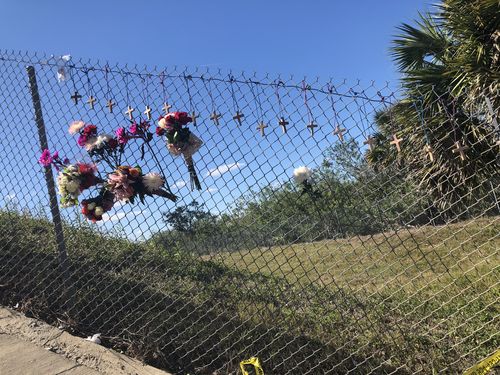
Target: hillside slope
x=188, y=314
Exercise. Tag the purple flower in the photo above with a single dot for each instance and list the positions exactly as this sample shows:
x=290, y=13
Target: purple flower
x=55, y=155
x=121, y=136
x=45, y=158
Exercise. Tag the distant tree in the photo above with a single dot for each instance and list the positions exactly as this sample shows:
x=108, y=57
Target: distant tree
x=184, y=218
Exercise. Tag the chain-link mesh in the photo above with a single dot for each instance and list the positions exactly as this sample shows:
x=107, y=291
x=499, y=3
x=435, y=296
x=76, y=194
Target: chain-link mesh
x=385, y=261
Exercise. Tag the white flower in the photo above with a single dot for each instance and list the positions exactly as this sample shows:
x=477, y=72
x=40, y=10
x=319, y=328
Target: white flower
x=72, y=186
x=98, y=211
x=301, y=174
x=91, y=143
x=91, y=206
x=152, y=181
x=162, y=123
x=75, y=127
x=101, y=140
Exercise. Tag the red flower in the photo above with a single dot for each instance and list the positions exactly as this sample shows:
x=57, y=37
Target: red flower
x=87, y=181
x=160, y=131
x=182, y=118
x=90, y=130
x=84, y=168
x=112, y=143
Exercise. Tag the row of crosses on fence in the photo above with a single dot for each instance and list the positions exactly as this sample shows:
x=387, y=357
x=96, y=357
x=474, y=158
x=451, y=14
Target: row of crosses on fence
x=459, y=149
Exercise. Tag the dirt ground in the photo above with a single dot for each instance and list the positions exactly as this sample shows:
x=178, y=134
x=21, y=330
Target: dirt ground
x=31, y=347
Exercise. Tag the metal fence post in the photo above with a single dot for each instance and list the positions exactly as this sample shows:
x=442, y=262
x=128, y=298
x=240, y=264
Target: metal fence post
x=49, y=178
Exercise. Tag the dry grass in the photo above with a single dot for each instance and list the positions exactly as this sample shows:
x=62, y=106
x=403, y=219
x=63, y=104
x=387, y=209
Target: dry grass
x=409, y=258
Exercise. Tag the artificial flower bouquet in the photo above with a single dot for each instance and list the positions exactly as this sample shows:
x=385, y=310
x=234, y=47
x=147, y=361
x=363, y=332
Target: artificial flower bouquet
x=123, y=183
x=303, y=177
x=128, y=183
x=72, y=179
x=181, y=141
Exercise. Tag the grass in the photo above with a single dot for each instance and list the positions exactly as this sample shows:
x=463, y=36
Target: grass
x=409, y=301
x=409, y=258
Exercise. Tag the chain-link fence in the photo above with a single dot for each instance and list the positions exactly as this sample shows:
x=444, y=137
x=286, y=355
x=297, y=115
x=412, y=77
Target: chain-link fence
x=381, y=256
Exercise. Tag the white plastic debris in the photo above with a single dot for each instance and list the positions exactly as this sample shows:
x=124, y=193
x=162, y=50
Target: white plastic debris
x=62, y=71
x=95, y=338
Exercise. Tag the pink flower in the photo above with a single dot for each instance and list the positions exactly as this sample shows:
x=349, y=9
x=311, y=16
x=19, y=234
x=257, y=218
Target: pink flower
x=75, y=127
x=133, y=129
x=45, y=158
x=119, y=185
x=82, y=140
x=55, y=155
x=121, y=136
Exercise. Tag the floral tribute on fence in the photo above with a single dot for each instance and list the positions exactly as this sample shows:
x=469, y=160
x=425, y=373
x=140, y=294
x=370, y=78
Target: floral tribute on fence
x=181, y=141
x=108, y=177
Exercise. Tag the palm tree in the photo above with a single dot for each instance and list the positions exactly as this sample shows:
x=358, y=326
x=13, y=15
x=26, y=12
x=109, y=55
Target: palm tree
x=450, y=68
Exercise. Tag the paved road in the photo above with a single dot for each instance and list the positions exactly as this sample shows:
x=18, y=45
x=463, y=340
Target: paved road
x=32, y=347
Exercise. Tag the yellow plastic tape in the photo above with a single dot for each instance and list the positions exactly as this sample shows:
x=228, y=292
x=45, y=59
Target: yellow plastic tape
x=484, y=367
x=254, y=361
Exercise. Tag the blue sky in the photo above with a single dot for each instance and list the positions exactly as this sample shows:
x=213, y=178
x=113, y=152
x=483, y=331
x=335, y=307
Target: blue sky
x=326, y=38
x=315, y=39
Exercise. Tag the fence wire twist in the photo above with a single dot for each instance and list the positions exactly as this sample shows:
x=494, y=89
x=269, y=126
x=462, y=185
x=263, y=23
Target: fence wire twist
x=389, y=265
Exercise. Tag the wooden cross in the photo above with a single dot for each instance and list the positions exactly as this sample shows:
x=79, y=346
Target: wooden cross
x=430, y=152
x=339, y=132
x=311, y=127
x=129, y=112
x=166, y=108
x=110, y=105
x=91, y=102
x=283, y=123
x=194, y=116
x=460, y=149
x=238, y=116
x=215, y=117
x=370, y=141
x=261, y=128
x=147, y=112
x=396, y=141
x=76, y=97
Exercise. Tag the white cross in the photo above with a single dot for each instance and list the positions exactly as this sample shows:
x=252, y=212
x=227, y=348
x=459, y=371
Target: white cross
x=91, y=102
x=147, y=112
x=370, y=141
x=129, y=112
x=339, y=132
x=110, y=105
x=460, y=149
x=396, y=142
x=166, y=107
x=261, y=127
x=430, y=152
